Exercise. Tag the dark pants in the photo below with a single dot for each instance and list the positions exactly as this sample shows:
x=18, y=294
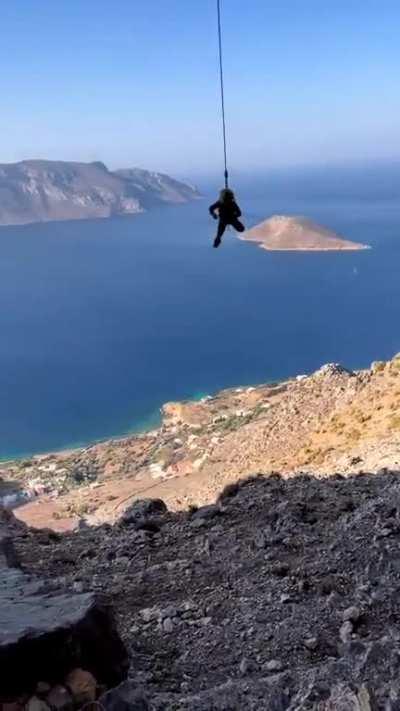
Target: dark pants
x=223, y=225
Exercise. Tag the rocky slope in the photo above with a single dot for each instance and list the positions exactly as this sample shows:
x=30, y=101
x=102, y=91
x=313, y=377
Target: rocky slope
x=332, y=420
x=275, y=592
x=39, y=190
x=284, y=595
x=282, y=233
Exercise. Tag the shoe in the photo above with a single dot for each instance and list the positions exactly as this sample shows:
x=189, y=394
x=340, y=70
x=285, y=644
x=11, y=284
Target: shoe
x=217, y=242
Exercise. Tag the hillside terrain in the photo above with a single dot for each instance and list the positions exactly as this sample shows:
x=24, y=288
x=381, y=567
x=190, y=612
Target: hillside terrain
x=277, y=591
x=283, y=233
x=40, y=190
x=284, y=595
x=332, y=420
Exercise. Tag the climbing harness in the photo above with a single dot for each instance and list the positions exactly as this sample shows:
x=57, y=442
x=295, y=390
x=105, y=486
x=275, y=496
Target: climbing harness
x=221, y=77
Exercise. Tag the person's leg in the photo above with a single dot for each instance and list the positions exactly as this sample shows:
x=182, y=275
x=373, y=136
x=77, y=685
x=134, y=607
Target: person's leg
x=239, y=227
x=220, y=232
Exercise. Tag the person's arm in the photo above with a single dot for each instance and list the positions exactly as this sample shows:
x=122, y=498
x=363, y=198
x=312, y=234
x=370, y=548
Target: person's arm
x=213, y=208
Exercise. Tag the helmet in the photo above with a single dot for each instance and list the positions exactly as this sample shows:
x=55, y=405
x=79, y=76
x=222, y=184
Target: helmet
x=226, y=194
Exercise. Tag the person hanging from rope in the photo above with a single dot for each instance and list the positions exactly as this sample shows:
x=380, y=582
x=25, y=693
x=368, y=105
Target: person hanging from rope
x=227, y=211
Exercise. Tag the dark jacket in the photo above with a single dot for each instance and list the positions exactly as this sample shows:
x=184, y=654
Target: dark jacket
x=227, y=211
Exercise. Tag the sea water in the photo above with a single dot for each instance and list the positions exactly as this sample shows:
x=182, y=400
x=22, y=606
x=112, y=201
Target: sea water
x=103, y=321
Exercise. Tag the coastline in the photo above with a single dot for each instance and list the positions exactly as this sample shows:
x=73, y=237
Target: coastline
x=261, y=245
x=319, y=250
x=308, y=420
x=74, y=447
x=154, y=422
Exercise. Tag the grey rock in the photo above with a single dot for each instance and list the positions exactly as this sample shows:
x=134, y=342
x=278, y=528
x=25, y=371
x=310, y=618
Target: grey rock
x=285, y=599
x=169, y=611
x=353, y=649
x=125, y=697
x=142, y=510
x=274, y=665
x=149, y=613
x=260, y=540
x=198, y=523
x=346, y=631
x=311, y=643
x=168, y=625
x=122, y=561
x=78, y=586
x=8, y=555
x=207, y=512
x=36, y=704
x=342, y=698
x=244, y=666
x=351, y=613
x=60, y=699
x=40, y=633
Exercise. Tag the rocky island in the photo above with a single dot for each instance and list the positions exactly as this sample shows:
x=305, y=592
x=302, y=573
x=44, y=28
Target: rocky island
x=43, y=190
x=284, y=233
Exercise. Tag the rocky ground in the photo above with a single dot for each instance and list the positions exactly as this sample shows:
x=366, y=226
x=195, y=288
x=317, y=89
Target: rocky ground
x=284, y=594
x=332, y=420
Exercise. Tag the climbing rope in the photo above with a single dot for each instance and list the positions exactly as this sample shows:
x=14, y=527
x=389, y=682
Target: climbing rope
x=221, y=76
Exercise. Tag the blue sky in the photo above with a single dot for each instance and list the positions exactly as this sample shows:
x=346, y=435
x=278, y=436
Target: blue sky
x=135, y=83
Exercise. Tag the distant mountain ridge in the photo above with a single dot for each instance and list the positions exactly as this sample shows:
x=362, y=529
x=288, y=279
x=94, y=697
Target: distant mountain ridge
x=43, y=190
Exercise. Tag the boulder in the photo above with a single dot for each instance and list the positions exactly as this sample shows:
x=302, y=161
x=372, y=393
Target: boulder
x=9, y=529
x=44, y=637
x=143, y=510
x=206, y=513
x=351, y=614
x=126, y=697
x=8, y=555
x=36, y=704
x=60, y=699
x=343, y=698
x=10, y=522
x=209, y=511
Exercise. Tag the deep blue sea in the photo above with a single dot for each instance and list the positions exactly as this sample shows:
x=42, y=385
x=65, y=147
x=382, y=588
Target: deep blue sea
x=102, y=321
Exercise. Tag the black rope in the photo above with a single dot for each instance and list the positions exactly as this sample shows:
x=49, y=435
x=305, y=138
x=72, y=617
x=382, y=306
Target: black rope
x=221, y=76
